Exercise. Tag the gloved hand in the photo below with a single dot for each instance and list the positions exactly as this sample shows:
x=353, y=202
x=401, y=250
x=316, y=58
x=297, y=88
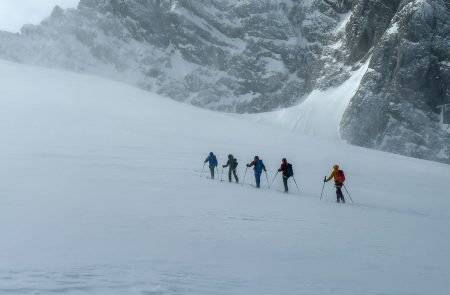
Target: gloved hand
x=248, y=165
x=325, y=179
x=223, y=166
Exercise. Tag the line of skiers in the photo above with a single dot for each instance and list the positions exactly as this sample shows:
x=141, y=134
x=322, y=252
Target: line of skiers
x=285, y=169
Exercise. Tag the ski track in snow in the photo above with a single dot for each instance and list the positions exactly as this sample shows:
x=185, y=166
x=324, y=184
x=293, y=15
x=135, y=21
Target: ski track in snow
x=100, y=193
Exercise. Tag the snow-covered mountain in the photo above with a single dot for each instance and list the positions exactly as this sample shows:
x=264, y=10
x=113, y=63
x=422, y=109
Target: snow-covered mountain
x=260, y=55
x=239, y=56
x=100, y=194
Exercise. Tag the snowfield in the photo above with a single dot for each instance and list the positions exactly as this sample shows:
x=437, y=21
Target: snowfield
x=100, y=193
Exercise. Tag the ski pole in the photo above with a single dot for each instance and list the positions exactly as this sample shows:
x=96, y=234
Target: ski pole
x=295, y=183
x=274, y=179
x=348, y=193
x=217, y=171
x=221, y=177
x=201, y=174
x=267, y=178
x=243, y=180
x=324, y=180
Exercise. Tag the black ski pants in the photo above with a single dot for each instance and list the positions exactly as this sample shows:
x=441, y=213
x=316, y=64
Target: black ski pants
x=232, y=171
x=211, y=169
x=285, y=182
x=339, y=194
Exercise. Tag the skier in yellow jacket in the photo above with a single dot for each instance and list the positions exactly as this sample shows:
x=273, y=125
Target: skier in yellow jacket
x=339, y=179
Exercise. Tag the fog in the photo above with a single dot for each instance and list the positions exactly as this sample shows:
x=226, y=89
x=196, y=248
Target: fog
x=15, y=13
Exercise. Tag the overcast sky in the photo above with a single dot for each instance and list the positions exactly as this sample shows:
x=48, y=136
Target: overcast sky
x=15, y=13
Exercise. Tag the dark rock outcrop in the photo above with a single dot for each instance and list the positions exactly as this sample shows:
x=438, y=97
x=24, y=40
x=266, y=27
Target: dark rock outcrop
x=396, y=106
x=369, y=21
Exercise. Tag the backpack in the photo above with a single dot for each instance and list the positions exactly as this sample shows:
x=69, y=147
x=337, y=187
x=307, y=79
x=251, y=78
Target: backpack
x=233, y=163
x=339, y=177
x=289, y=170
x=213, y=161
x=259, y=166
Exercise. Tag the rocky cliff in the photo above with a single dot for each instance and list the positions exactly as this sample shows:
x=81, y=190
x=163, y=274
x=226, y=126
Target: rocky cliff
x=396, y=108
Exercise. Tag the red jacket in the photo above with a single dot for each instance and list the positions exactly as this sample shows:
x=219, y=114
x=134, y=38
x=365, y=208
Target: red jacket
x=283, y=168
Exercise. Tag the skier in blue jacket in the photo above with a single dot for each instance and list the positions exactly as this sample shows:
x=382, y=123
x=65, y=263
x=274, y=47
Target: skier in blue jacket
x=212, y=163
x=258, y=168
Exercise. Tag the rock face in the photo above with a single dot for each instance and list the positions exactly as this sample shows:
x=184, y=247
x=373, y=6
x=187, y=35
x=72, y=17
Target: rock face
x=396, y=106
x=368, y=24
x=251, y=56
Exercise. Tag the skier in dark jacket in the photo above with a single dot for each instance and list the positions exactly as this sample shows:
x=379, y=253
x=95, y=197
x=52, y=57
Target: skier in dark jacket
x=212, y=163
x=339, y=179
x=284, y=169
x=232, y=163
x=258, y=168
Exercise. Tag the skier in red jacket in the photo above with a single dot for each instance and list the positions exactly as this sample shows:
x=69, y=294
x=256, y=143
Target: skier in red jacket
x=284, y=169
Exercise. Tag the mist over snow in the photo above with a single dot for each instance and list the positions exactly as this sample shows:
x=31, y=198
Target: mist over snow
x=102, y=192
x=108, y=109
x=16, y=13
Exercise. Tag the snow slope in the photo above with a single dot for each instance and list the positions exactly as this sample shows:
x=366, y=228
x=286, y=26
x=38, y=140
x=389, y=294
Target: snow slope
x=100, y=193
x=320, y=113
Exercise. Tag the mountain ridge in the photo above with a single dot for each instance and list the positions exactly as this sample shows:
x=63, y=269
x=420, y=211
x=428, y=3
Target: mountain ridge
x=257, y=56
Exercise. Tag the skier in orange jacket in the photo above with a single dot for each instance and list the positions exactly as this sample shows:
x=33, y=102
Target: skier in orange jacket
x=339, y=179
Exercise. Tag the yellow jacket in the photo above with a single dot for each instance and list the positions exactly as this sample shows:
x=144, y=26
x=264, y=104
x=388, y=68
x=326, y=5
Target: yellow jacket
x=333, y=174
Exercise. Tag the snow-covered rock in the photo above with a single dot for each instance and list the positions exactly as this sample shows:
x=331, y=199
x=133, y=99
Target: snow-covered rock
x=239, y=56
x=396, y=106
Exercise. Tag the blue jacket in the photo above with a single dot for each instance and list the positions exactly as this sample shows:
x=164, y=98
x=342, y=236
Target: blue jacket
x=212, y=160
x=259, y=166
